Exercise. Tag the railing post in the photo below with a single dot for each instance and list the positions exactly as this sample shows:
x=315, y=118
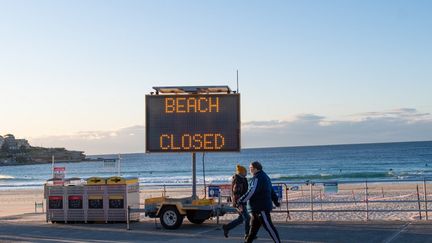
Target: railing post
x=286, y=195
x=425, y=198
x=217, y=210
x=367, y=200
x=128, y=218
x=321, y=198
x=311, y=200
x=418, y=202
x=352, y=191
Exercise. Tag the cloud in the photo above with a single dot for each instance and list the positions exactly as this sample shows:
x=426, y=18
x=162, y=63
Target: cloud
x=404, y=124
x=125, y=140
x=387, y=126
x=403, y=113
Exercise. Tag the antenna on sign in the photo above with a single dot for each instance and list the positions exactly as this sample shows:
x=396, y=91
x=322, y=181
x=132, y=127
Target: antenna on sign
x=237, y=83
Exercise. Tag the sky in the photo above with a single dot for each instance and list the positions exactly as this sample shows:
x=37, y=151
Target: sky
x=75, y=74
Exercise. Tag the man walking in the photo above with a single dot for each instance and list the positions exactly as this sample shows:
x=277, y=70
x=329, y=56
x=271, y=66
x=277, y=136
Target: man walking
x=239, y=187
x=260, y=197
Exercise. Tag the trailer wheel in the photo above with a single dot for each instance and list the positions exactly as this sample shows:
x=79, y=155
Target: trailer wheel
x=195, y=220
x=198, y=216
x=170, y=217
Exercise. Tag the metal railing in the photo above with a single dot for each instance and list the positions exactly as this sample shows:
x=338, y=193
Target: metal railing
x=421, y=205
x=312, y=192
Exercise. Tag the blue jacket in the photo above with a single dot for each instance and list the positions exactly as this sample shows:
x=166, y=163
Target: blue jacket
x=260, y=194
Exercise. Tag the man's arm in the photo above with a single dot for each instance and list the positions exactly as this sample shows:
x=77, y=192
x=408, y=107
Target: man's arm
x=250, y=192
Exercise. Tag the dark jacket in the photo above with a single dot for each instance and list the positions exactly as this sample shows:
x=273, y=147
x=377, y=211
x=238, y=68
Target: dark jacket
x=260, y=194
x=239, y=187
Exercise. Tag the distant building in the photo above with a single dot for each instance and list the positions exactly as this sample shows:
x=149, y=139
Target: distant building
x=10, y=142
x=22, y=143
x=14, y=144
x=1, y=141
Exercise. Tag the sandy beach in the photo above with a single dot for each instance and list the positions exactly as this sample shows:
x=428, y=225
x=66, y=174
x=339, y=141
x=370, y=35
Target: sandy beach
x=348, y=197
x=19, y=201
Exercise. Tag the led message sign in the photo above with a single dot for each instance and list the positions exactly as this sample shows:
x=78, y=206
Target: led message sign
x=193, y=123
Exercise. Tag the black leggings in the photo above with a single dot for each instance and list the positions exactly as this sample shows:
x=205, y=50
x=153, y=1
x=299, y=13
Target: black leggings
x=262, y=218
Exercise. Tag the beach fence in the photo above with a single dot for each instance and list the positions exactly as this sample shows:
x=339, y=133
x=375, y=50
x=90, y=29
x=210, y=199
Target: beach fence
x=403, y=199
x=407, y=199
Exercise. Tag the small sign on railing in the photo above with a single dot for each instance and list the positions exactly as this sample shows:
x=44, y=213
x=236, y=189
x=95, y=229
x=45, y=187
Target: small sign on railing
x=330, y=187
x=213, y=191
x=278, y=191
x=225, y=190
x=294, y=188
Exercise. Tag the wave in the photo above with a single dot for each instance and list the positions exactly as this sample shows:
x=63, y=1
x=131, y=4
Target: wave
x=6, y=177
x=21, y=186
x=327, y=176
x=183, y=179
x=7, y=181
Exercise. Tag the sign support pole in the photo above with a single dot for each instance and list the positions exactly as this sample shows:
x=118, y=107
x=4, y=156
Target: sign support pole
x=194, y=196
x=118, y=165
x=52, y=165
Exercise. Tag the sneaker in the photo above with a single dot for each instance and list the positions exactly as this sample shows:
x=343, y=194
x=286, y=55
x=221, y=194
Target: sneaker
x=225, y=231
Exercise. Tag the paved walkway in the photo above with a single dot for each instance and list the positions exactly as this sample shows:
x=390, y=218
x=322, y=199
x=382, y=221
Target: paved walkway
x=32, y=228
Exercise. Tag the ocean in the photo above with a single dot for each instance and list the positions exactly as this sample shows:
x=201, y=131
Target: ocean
x=404, y=160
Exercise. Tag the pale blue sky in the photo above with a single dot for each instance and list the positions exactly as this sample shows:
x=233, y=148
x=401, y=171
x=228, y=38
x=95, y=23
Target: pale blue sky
x=73, y=66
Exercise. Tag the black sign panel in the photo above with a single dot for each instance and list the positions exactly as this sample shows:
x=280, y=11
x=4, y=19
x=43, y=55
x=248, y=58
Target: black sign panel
x=95, y=203
x=55, y=202
x=193, y=123
x=116, y=203
x=75, y=202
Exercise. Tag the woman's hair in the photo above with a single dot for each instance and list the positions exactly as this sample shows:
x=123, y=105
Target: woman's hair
x=257, y=165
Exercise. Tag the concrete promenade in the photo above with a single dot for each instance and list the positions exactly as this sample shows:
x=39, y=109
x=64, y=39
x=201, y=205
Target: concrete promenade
x=33, y=228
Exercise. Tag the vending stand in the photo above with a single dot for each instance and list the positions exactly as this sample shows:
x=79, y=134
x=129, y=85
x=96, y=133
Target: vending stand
x=55, y=209
x=74, y=201
x=122, y=192
x=95, y=197
x=94, y=200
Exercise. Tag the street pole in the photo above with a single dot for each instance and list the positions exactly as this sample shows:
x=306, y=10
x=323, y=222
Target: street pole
x=52, y=165
x=118, y=165
x=194, y=196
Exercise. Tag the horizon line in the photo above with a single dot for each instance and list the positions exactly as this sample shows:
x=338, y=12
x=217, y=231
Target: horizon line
x=295, y=146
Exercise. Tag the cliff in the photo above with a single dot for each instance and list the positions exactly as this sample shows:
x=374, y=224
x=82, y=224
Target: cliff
x=18, y=151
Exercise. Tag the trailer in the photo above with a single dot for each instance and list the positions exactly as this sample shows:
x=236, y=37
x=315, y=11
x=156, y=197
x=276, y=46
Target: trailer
x=172, y=211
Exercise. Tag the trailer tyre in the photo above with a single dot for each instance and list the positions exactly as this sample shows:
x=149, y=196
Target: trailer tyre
x=198, y=216
x=195, y=220
x=170, y=217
